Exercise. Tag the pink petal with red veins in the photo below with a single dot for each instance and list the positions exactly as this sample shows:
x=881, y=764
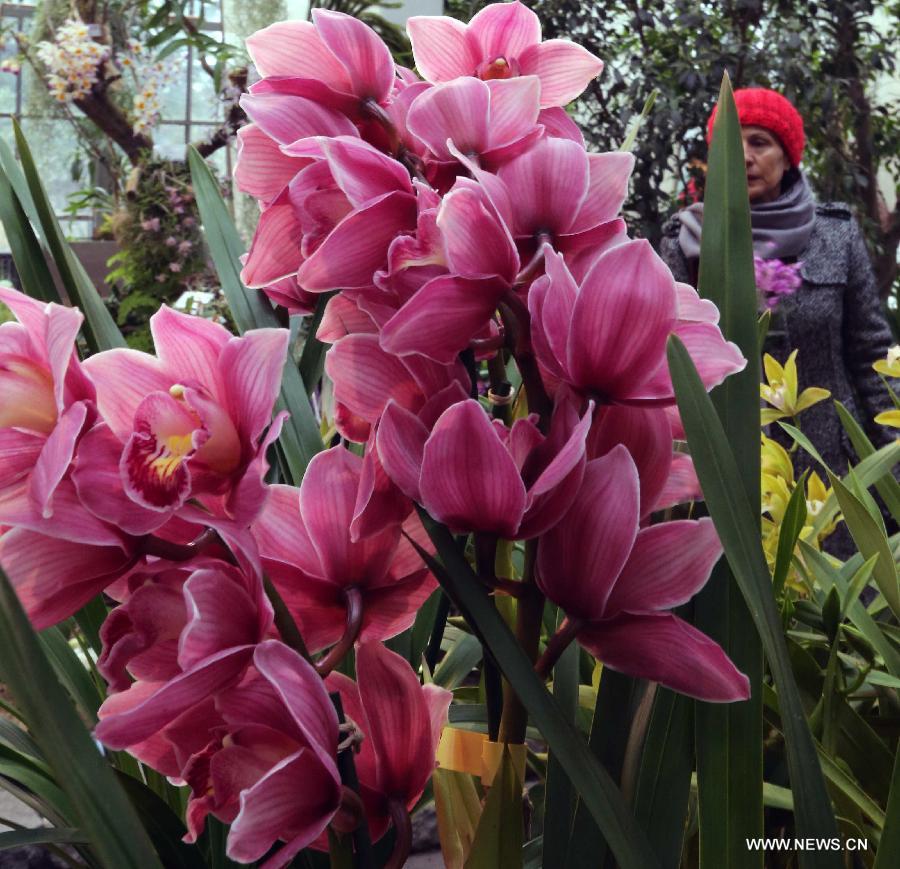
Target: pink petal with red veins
x=54, y=578
x=262, y=170
x=221, y=613
x=564, y=68
x=558, y=124
x=400, y=720
x=681, y=485
x=457, y=111
x=553, y=309
x=504, y=30
x=669, y=564
x=124, y=378
x=351, y=427
x=358, y=246
x=440, y=47
x=469, y=480
x=248, y=498
x=61, y=330
x=252, y=366
x=294, y=48
x=692, y=307
x=366, y=377
x=621, y=320
x=301, y=690
x=439, y=321
x=713, y=356
x=646, y=434
x=189, y=348
x=663, y=648
x=275, y=249
x=56, y=456
x=580, y=558
x=327, y=501
x=477, y=242
x=172, y=698
x=362, y=172
x=19, y=451
x=379, y=503
x=514, y=109
x=400, y=440
x=315, y=91
x=343, y=317
x=391, y=609
x=99, y=484
x=607, y=189
x=551, y=366
x=364, y=55
x=154, y=462
x=70, y=520
x=31, y=313
x=300, y=794
x=280, y=533
x=287, y=118
x=550, y=183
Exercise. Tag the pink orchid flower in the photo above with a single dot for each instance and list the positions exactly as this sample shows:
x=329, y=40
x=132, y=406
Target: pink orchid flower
x=225, y=613
x=502, y=41
x=402, y=722
x=442, y=317
x=617, y=583
x=607, y=336
x=338, y=588
x=366, y=378
x=186, y=423
x=270, y=771
x=473, y=474
x=46, y=401
x=333, y=224
x=336, y=60
x=492, y=121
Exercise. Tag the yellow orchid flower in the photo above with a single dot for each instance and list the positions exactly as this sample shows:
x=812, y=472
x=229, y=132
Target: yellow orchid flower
x=890, y=365
x=889, y=417
x=781, y=390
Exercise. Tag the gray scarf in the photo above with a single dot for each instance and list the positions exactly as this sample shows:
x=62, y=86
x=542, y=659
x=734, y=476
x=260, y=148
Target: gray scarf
x=781, y=229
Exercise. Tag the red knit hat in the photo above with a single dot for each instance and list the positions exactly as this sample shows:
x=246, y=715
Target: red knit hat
x=760, y=107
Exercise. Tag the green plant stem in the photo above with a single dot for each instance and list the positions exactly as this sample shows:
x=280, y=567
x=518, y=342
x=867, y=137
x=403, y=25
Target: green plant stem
x=529, y=618
x=485, y=558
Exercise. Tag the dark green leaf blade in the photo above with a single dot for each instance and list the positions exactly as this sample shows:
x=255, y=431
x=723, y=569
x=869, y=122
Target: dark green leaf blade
x=729, y=736
x=103, y=811
x=41, y=836
x=736, y=524
x=100, y=329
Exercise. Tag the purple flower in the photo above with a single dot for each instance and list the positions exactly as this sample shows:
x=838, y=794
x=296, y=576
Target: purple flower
x=151, y=225
x=776, y=279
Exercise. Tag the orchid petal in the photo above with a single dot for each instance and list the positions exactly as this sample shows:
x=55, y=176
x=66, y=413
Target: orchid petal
x=440, y=47
x=663, y=648
x=400, y=440
x=358, y=245
x=262, y=170
x=440, y=320
x=607, y=188
x=189, y=347
x=564, y=68
x=280, y=533
x=275, y=250
x=504, y=30
x=469, y=480
x=294, y=48
x=364, y=55
x=287, y=118
x=457, y=111
x=362, y=172
x=580, y=558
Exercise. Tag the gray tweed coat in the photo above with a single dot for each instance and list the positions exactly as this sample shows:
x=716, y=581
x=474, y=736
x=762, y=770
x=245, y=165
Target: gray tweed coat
x=835, y=322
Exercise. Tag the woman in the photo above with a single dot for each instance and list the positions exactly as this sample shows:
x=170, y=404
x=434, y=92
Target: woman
x=834, y=318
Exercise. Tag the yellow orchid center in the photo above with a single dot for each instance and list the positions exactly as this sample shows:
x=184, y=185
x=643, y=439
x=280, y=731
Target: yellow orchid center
x=26, y=396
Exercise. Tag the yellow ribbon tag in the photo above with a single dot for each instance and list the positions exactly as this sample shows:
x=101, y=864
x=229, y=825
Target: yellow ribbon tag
x=473, y=753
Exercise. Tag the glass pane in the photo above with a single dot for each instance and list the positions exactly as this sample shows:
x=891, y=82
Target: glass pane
x=169, y=141
x=205, y=102
x=55, y=148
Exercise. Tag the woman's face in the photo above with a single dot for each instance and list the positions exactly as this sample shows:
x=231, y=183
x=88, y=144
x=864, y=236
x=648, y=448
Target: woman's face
x=765, y=162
